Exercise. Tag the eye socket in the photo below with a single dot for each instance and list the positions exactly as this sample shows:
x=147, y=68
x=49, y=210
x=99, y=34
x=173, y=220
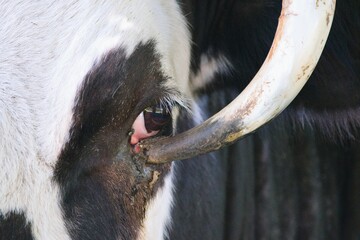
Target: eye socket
x=156, y=117
x=150, y=122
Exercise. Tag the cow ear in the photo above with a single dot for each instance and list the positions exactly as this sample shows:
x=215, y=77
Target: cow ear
x=300, y=38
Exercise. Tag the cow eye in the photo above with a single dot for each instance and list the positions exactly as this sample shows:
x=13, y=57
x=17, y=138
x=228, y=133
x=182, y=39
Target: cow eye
x=152, y=121
x=156, y=118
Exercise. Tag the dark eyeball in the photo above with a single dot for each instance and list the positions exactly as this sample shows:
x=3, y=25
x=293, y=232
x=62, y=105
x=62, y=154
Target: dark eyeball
x=156, y=117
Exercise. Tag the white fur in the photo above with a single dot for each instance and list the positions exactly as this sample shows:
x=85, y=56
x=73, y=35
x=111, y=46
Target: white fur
x=47, y=47
x=209, y=66
x=157, y=218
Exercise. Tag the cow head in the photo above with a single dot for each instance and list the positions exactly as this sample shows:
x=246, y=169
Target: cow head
x=78, y=78
x=75, y=76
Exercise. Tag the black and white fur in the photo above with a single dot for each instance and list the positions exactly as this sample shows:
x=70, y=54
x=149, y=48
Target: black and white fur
x=48, y=49
x=75, y=74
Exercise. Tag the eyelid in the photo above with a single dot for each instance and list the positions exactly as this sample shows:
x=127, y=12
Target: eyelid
x=156, y=109
x=172, y=100
x=165, y=105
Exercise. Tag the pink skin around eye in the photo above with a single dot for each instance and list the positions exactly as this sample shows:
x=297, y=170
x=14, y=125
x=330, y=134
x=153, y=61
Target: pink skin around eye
x=140, y=132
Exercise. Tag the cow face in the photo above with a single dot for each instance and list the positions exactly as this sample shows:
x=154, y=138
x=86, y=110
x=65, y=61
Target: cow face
x=83, y=82
x=75, y=75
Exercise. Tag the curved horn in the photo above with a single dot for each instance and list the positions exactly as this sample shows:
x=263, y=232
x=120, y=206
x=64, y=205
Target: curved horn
x=300, y=38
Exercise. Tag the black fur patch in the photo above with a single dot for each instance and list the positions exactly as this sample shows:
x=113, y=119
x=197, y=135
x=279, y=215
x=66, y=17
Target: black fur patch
x=243, y=31
x=104, y=188
x=280, y=183
x=13, y=226
x=199, y=196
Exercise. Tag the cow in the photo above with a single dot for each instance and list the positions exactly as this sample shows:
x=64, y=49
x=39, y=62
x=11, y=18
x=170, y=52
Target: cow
x=85, y=84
